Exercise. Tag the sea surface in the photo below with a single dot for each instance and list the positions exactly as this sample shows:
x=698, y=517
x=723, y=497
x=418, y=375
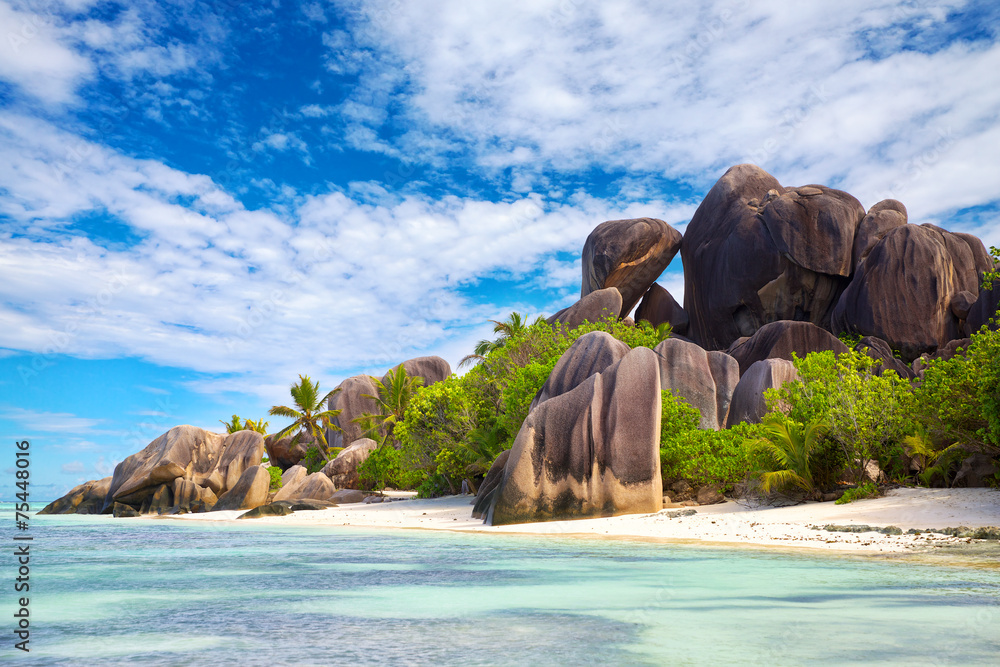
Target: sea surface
x=168, y=592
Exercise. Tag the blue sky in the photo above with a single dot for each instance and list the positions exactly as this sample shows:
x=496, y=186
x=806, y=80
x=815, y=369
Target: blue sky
x=199, y=201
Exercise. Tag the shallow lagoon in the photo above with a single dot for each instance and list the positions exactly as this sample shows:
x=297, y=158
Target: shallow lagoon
x=136, y=592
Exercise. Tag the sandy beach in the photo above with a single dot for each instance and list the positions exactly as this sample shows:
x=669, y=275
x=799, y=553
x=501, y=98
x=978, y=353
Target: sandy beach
x=725, y=523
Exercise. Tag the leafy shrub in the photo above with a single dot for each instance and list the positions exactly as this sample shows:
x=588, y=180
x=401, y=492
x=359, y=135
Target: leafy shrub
x=275, y=473
x=703, y=457
x=861, y=492
x=869, y=414
x=383, y=469
x=313, y=460
x=958, y=401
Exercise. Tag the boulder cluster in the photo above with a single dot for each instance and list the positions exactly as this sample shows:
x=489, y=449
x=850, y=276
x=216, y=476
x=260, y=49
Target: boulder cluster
x=769, y=271
x=189, y=469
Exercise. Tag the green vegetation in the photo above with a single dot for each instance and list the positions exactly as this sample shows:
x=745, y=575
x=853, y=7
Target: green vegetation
x=275, y=473
x=391, y=400
x=861, y=492
x=308, y=415
x=236, y=424
x=450, y=429
x=822, y=432
x=786, y=452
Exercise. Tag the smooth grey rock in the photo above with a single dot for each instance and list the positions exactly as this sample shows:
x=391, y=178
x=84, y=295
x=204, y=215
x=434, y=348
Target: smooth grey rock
x=343, y=470
x=249, y=492
x=86, y=498
x=596, y=306
x=748, y=398
x=628, y=255
x=593, y=451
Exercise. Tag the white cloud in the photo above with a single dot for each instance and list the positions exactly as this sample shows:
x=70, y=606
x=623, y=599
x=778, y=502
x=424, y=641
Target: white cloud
x=49, y=422
x=361, y=279
x=72, y=468
x=33, y=57
x=684, y=92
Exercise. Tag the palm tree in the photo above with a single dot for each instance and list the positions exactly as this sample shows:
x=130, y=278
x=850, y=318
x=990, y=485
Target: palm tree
x=236, y=424
x=789, y=445
x=391, y=400
x=514, y=325
x=308, y=414
x=233, y=425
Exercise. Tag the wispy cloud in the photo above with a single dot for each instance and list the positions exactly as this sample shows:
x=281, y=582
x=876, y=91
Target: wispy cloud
x=49, y=422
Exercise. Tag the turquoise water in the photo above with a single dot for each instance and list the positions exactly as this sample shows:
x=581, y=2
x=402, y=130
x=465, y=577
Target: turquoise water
x=127, y=592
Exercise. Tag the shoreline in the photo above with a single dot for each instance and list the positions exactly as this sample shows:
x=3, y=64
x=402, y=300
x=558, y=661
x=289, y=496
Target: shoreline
x=726, y=524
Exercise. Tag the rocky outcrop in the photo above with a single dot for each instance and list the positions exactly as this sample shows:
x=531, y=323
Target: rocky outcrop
x=904, y=290
x=778, y=340
x=628, y=255
x=161, y=500
x=316, y=486
x=189, y=497
x=292, y=476
x=879, y=350
x=976, y=471
x=431, y=369
x=659, y=307
x=87, y=498
x=881, y=218
x=208, y=459
x=705, y=380
x=490, y=482
x=284, y=453
x=347, y=496
x=596, y=306
x=756, y=252
x=249, y=491
x=343, y=470
x=748, y=403
x=123, y=510
x=352, y=402
x=593, y=451
x=589, y=354
x=984, y=310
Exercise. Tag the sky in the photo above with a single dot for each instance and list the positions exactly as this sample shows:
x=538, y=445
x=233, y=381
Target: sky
x=200, y=201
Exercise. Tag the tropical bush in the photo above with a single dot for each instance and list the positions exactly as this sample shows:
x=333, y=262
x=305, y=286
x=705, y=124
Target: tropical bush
x=868, y=415
x=860, y=492
x=703, y=457
x=275, y=473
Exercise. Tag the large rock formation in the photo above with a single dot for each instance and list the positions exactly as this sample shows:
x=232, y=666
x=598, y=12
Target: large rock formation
x=658, y=307
x=908, y=289
x=316, y=486
x=756, y=252
x=352, y=402
x=284, y=453
x=589, y=354
x=881, y=218
x=593, y=451
x=490, y=482
x=879, y=350
x=87, y=498
x=984, y=310
x=628, y=255
x=208, y=459
x=778, y=340
x=189, y=497
x=705, y=380
x=431, y=369
x=249, y=491
x=748, y=403
x=343, y=470
x=596, y=306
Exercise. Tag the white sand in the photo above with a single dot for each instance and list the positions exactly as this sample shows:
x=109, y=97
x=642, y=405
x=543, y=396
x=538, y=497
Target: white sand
x=725, y=523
